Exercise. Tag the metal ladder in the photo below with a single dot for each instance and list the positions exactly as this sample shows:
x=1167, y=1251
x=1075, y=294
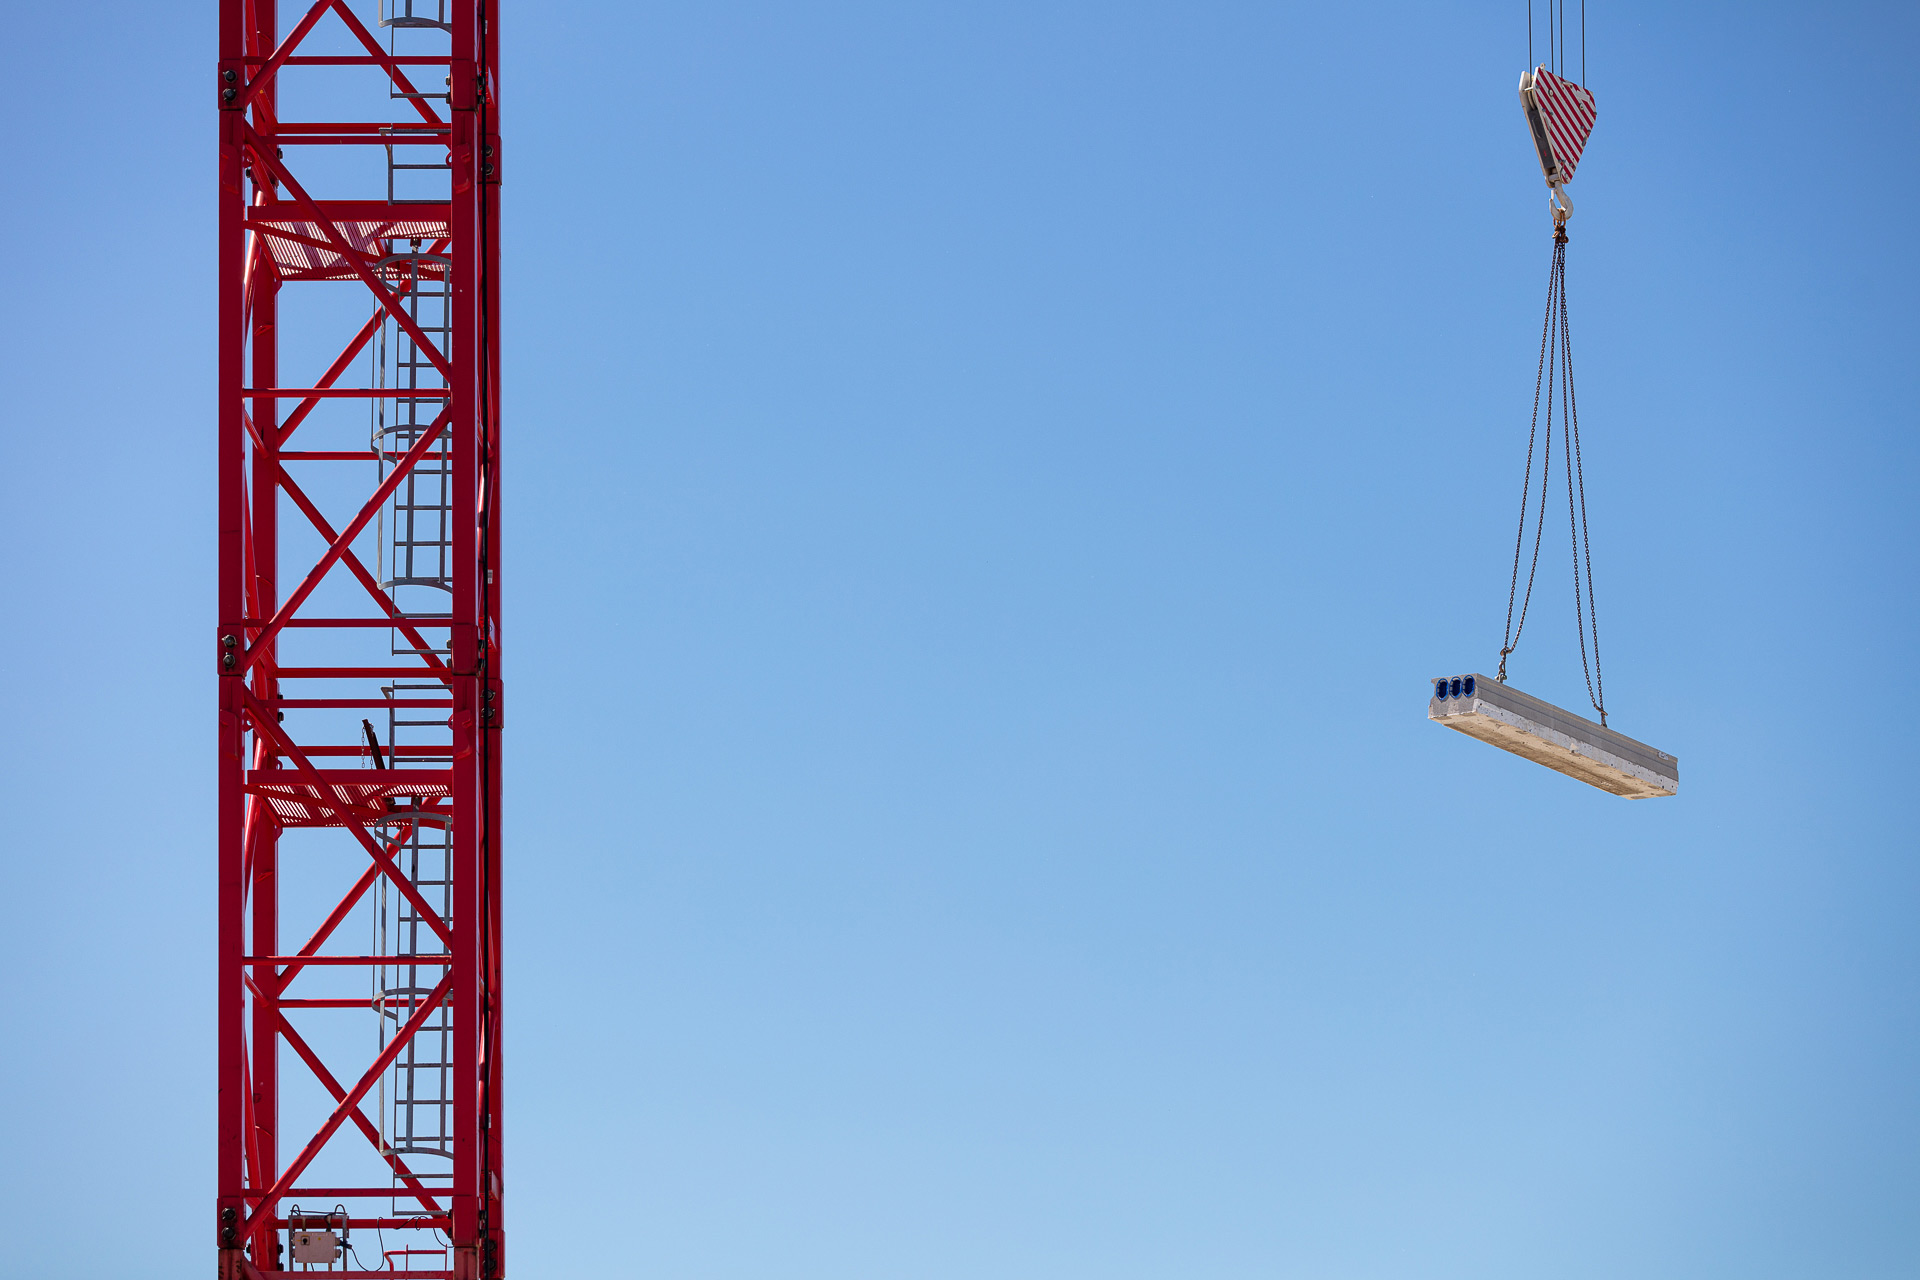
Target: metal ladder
x=415, y=537
x=416, y=1093
x=414, y=15
x=416, y=525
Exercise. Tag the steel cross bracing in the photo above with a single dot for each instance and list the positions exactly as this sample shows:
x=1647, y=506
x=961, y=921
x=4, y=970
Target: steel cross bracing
x=358, y=646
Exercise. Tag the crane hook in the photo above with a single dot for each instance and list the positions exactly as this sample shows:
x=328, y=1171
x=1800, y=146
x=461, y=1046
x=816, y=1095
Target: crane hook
x=1559, y=205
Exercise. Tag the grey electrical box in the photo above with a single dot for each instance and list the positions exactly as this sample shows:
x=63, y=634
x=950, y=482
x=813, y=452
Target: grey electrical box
x=315, y=1246
x=1545, y=734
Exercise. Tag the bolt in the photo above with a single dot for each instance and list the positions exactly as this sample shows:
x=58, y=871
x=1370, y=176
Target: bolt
x=227, y=1215
x=227, y=95
x=228, y=75
x=226, y=661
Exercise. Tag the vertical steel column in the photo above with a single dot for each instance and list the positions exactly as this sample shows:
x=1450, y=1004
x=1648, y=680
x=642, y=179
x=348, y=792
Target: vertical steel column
x=261, y=596
x=463, y=222
x=231, y=1066
x=493, y=710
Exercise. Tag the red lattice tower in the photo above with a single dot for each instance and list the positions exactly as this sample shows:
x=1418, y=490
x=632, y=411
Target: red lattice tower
x=359, y=435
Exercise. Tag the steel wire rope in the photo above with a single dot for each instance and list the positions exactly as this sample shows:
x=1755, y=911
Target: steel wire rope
x=1578, y=532
x=1542, y=377
x=1553, y=377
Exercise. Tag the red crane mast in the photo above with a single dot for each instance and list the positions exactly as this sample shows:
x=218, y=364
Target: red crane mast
x=359, y=958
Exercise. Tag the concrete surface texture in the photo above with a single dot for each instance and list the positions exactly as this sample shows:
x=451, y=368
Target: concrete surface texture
x=1571, y=744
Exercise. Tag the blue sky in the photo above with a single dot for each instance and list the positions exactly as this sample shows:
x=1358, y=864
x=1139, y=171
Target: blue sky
x=987, y=487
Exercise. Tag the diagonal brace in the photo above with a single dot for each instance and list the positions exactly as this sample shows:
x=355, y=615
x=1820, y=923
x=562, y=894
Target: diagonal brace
x=325, y=1077
x=351, y=1102
x=359, y=570
x=340, y=544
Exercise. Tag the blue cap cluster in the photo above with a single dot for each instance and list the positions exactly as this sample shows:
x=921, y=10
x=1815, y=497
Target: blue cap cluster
x=1458, y=687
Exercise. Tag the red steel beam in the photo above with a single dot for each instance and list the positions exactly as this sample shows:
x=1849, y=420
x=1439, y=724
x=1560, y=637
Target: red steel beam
x=368, y=1224
x=324, y=1002
x=297, y=961
x=327, y=1193
x=356, y=139
x=357, y=211
x=234, y=1106
x=357, y=673
x=348, y=393
x=351, y=622
x=417, y=703
x=400, y=752
x=347, y=60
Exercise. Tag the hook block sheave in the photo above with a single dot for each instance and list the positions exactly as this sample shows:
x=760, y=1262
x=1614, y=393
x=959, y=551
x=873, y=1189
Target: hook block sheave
x=359, y=1063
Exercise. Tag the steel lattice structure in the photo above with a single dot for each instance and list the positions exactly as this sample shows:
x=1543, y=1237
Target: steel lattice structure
x=359, y=539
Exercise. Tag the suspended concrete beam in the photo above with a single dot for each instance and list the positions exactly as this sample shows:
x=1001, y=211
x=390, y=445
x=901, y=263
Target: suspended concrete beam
x=1545, y=734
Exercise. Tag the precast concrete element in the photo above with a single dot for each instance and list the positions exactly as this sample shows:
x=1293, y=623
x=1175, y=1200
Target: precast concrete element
x=1571, y=744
